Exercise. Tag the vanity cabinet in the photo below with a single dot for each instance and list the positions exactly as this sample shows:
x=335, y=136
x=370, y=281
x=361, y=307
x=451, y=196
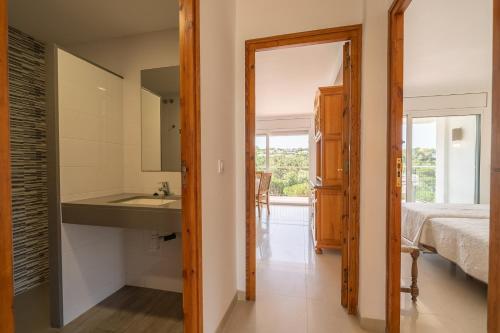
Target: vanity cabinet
x=328, y=192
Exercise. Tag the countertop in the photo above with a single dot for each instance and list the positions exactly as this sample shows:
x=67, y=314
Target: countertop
x=105, y=211
x=110, y=200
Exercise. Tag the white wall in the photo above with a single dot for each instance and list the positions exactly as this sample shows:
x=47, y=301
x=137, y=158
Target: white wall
x=461, y=160
x=91, y=165
x=217, y=142
x=373, y=160
x=452, y=55
x=127, y=56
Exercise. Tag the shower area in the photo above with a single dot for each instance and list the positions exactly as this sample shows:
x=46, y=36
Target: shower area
x=29, y=153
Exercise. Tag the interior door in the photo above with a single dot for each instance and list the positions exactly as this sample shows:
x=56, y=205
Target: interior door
x=346, y=121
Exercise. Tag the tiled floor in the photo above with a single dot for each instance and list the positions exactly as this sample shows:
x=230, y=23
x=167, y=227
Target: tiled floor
x=297, y=290
x=448, y=302
x=129, y=310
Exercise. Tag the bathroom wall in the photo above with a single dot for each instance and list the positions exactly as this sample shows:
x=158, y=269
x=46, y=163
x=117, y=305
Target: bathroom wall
x=127, y=56
x=27, y=94
x=91, y=165
x=147, y=262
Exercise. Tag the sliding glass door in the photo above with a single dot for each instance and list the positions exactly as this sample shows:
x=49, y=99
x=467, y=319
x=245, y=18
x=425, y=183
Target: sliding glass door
x=286, y=156
x=442, y=159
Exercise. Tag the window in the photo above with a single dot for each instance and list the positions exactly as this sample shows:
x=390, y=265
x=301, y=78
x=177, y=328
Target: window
x=261, y=153
x=287, y=158
x=442, y=164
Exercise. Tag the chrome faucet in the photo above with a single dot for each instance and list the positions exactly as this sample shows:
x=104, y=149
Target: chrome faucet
x=165, y=189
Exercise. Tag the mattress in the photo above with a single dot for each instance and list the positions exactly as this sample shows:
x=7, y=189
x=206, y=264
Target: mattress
x=464, y=241
x=414, y=216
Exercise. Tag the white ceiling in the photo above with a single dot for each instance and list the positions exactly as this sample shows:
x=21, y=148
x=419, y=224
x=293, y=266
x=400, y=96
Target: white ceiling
x=448, y=54
x=69, y=22
x=162, y=81
x=286, y=80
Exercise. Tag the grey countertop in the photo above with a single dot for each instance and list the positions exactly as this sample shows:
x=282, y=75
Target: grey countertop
x=113, y=200
x=109, y=212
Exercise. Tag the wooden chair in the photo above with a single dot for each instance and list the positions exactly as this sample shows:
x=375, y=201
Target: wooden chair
x=414, y=251
x=263, y=181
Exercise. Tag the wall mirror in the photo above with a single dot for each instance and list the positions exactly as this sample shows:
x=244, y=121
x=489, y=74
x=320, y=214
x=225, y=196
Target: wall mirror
x=160, y=121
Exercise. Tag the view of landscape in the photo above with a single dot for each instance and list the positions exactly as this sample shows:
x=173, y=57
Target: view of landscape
x=424, y=174
x=290, y=169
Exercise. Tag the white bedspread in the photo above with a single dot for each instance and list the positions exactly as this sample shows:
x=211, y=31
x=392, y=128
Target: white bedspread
x=414, y=215
x=463, y=241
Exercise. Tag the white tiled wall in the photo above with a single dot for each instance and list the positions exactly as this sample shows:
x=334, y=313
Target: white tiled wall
x=144, y=266
x=91, y=165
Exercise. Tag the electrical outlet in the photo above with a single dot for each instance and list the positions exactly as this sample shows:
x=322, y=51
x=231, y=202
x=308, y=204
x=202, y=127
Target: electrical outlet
x=220, y=166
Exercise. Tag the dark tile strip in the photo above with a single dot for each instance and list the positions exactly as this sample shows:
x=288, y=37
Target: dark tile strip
x=27, y=94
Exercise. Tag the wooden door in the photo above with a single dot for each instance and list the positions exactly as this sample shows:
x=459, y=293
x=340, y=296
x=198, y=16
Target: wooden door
x=346, y=121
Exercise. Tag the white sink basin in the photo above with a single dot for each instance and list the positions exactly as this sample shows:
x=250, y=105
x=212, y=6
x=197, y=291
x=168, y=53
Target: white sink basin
x=146, y=201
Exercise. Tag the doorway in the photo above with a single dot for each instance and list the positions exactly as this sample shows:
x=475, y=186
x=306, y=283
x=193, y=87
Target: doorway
x=190, y=155
x=347, y=176
x=430, y=180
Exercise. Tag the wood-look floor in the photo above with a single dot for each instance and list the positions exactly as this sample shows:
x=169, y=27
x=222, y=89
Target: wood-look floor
x=129, y=310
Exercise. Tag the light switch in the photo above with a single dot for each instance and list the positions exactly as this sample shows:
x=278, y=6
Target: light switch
x=220, y=166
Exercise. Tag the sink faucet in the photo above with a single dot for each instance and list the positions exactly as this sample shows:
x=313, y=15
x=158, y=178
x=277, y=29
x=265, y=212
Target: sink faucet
x=165, y=189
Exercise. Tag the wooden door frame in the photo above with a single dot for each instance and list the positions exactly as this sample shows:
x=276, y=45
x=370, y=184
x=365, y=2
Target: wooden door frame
x=6, y=269
x=189, y=45
x=189, y=39
x=395, y=116
x=352, y=34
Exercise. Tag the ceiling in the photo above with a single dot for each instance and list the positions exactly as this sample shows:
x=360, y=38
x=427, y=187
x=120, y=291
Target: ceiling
x=161, y=81
x=448, y=54
x=286, y=80
x=70, y=22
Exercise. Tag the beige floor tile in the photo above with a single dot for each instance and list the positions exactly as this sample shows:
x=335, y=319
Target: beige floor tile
x=448, y=300
x=281, y=282
x=269, y=314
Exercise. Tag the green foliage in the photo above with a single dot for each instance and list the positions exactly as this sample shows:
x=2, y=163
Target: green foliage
x=424, y=174
x=290, y=169
x=297, y=190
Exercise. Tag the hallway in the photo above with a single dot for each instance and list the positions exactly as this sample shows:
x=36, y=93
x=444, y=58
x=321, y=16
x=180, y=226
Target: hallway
x=297, y=290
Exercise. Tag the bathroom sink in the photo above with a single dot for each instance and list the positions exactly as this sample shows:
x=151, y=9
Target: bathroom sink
x=127, y=210
x=145, y=201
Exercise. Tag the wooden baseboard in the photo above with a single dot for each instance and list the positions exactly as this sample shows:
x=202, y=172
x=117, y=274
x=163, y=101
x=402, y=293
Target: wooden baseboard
x=230, y=308
x=372, y=325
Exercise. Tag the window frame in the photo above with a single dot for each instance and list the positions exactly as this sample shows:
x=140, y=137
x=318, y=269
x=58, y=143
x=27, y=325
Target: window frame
x=410, y=115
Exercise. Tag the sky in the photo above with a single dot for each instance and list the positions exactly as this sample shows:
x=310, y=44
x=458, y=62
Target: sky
x=424, y=133
x=283, y=141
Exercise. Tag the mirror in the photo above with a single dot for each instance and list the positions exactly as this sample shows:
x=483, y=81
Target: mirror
x=160, y=119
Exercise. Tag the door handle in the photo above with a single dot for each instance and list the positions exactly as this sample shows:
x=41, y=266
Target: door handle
x=399, y=171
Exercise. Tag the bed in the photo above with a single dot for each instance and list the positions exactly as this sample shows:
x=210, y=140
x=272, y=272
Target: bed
x=457, y=232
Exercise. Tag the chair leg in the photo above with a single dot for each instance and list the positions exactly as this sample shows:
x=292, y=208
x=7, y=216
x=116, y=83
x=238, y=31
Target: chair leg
x=258, y=207
x=267, y=203
x=414, y=275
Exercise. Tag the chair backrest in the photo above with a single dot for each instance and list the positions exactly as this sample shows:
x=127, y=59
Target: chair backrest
x=265, y=182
